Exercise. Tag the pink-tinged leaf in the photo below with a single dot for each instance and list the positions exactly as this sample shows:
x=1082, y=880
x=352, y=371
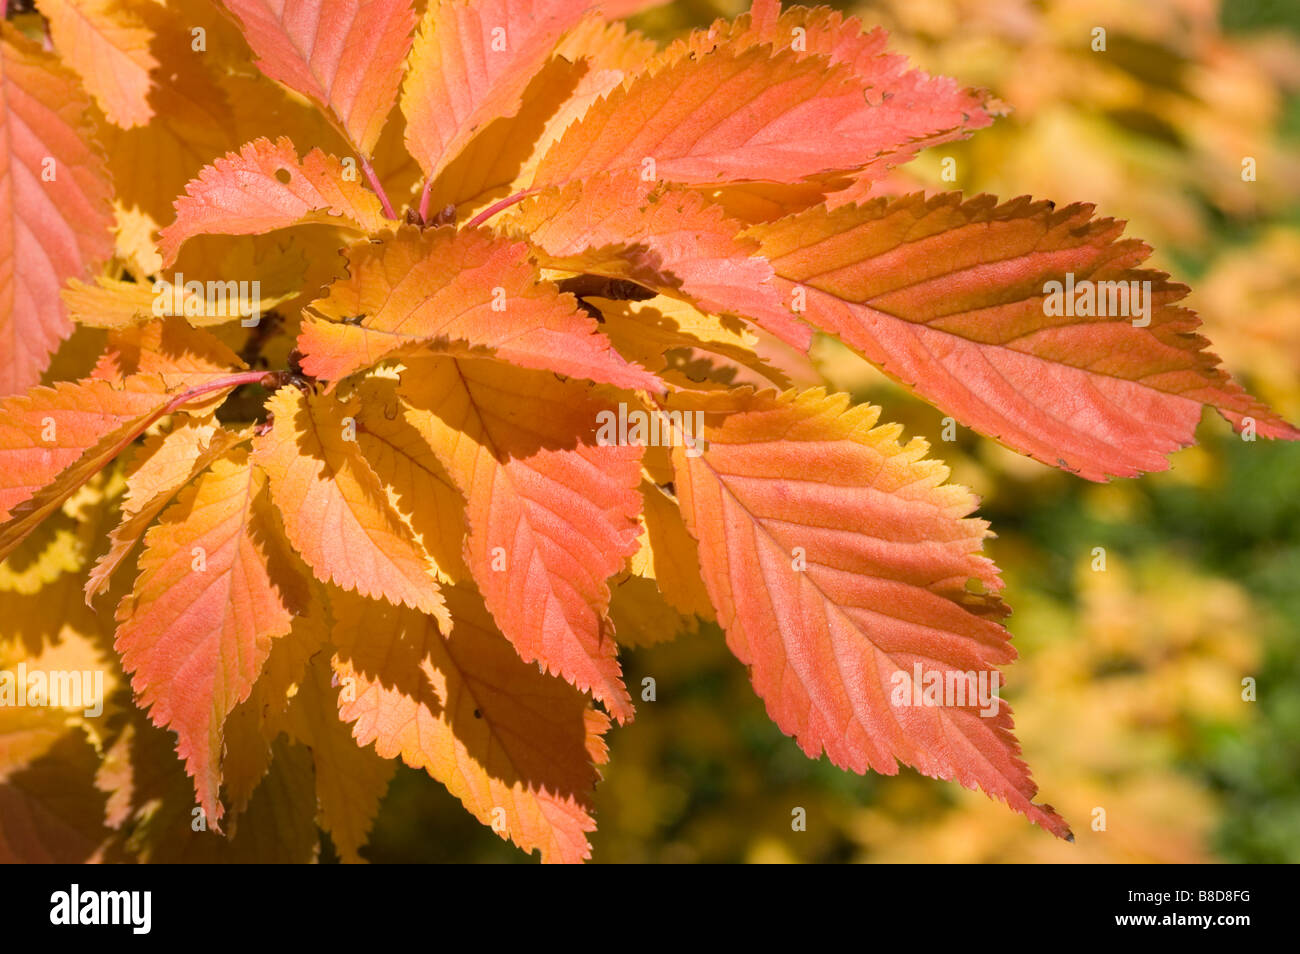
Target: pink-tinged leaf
x=469, y=292
x=336, y=511
x=471, y=62
x=217, y=584
x=552, y=513
x=48, y=454
x=671, y=241
x=838, y=562
x=264, y=187
x=46, y=431
x=517, y=747
x=906, y=109
x=953, y=299
x=740, y=113
x=55, y=218
x=346, y=56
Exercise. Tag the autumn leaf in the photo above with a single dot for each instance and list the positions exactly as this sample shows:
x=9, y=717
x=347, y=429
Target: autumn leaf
x=686, y=347
x=837, y=559
x=953, y=299
x=265, y=187
x=216, y=586
x=907, y=109
x=193, y=122
x=344, y=55
x=676, y=244
x=517, y=747
x=54, y=205
x=172, y=462
x=463, y=290
x=97, y=426
x=470, y=64
x=506, y=406
x=419, y=487
x=744, y=113
x=152, y=800
x=47, y=430
x=253, y=726
x=551, y=513
x=182, y=356
x=669, y=554
x=109, y=48
x=336, y=512
x=350, y=778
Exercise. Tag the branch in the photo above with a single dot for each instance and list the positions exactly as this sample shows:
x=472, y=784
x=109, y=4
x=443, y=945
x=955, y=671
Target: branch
x=493, y=209
x=377, y=186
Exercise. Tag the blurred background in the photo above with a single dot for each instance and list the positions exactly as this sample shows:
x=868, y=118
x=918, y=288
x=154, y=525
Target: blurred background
x=1128, y=693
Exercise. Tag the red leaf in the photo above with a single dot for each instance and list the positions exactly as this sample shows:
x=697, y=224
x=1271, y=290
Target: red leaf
x=47, y=430
x=907, y=109
x=725, y=110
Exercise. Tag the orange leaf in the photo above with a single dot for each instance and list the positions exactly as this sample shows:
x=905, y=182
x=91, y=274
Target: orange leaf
x=552, y=514
x=907, y=110
x=952, y=299
x=54, y=205
x=216, y=586
x=837, y=560
x=467, y=290
x=350, y=778
x=179, y=354
x=672, y=241
x=39, y=449
x=737, y=113
x=108, y=47
x=336, y=511
x=344, y=55
x=470, y=64
x=495, y=163
x=47, y=430
x=419, y=486
x=264, y=187
x=515, y=746
x=174, y=460
x=253, y=725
